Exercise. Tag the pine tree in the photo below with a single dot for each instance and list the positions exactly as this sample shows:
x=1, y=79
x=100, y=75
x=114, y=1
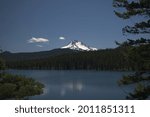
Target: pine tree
x=137, y=51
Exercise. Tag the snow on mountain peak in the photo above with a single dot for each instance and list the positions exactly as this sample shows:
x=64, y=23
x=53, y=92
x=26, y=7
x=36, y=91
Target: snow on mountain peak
x=77, y=45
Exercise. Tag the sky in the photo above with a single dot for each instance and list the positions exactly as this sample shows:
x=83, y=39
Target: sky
x=39, y=25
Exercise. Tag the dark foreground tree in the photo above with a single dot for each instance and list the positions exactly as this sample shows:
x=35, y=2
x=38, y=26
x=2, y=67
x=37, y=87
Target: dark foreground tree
x=137, y=51
x=18, y=87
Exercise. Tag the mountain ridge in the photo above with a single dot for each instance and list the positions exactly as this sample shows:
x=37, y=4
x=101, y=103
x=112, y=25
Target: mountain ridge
x=35, y=55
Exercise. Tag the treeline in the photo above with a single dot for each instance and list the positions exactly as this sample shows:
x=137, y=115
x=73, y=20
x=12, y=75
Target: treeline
x=2, y=64
x=108, y=59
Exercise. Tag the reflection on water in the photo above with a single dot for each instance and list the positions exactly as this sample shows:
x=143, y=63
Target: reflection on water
x=65, y=88
x=71, y=86
x=77, y=84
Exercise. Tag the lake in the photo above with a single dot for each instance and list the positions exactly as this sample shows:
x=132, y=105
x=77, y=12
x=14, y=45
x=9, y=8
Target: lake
x=77, y=84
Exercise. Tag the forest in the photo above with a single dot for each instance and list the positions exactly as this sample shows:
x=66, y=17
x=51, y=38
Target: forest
x=106, y=59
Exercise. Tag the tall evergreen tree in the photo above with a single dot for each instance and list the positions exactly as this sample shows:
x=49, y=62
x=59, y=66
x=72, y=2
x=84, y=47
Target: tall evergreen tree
x=137, y=51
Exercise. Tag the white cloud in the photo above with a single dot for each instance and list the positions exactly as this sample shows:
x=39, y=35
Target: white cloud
x=37, y=40
x=62, y=38
x=39, y=46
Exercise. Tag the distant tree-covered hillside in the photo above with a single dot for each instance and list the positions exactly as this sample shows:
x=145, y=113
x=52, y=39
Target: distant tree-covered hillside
x=107, y=59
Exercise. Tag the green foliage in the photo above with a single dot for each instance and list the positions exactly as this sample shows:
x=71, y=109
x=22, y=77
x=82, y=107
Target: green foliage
x=134, y=8
x=136, y=51
x=141, y=92
x=108, y=59
x=18, y=87
x=139, y=58
x=2, y=64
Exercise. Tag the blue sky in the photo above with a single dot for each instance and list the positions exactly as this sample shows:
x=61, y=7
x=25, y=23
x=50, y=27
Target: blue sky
x=38, y=25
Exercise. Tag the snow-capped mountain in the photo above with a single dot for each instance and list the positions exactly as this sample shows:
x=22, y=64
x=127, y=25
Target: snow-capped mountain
x=77, y=45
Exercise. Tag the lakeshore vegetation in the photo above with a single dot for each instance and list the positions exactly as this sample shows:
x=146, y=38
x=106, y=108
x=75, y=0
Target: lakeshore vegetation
x=17, y=86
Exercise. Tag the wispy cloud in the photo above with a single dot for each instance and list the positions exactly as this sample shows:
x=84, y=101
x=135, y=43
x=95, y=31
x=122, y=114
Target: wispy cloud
x=39, y=46
x=37, y=40
x=62, y=38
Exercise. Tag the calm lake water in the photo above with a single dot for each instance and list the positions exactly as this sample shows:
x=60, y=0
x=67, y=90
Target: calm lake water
x=76, y=84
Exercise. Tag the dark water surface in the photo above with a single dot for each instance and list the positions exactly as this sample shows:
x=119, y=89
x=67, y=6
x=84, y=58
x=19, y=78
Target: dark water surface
x=76, y=84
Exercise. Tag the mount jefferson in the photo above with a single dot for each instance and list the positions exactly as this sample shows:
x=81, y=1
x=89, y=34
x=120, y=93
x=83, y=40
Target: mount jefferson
x=77, y=45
